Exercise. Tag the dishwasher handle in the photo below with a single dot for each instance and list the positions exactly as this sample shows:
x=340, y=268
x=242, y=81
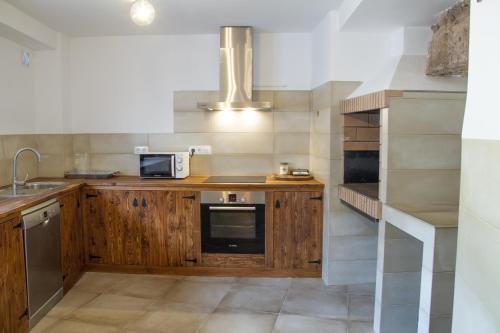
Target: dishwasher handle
x=229, y=208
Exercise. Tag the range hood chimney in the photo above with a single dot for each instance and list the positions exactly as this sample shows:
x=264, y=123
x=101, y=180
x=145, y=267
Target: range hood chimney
x=235, y=86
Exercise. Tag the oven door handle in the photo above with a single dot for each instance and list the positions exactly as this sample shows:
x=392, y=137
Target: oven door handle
x=227, y=208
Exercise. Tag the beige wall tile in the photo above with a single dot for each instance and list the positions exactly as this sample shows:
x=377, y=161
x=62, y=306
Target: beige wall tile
x=322, y=97
x=353, y=247
x=242, y=165
x=5, y=177
x=116, y=143
x=201, y=165
x=191, y=122
x=320, y=145
x=2, y=155
x=424, y=151
x=241, y=121
x=50, y=143
x=186, y=101
x=11, y=143
x=291, y=143
x=292, y=100
x=263, y=96
x=423, y=187
x=177, y=142
x=292, y=121
x=294, y=161
x=480, y=163
x=51, y=165
x=321, y=121
x=242, y=143
x=127, y=164
x=81, y=143
x=426, y=116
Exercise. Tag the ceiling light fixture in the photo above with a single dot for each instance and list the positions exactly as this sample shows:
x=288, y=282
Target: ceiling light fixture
x=142, y=13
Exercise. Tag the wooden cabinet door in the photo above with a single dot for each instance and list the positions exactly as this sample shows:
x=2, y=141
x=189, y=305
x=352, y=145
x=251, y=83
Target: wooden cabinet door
x=112, y=226
x=156, y=208
x=72, y=254
x=13, y=295
x=170, y=228
x=297, y=230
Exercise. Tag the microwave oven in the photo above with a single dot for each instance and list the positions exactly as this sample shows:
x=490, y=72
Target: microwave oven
x=164, y=165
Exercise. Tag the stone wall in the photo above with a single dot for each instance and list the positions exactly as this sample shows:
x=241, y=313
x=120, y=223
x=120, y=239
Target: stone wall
x=449, y=48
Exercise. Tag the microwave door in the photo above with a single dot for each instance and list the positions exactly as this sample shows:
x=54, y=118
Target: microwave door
x=157, y=166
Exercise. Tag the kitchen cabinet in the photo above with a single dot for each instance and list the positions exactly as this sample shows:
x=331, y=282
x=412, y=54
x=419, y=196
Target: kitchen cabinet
x=297, y=230
x=72, y=252
x=13, y=295
x=151, y=228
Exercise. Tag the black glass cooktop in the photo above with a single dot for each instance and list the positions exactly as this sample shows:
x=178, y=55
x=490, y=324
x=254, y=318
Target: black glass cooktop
x=236, y=179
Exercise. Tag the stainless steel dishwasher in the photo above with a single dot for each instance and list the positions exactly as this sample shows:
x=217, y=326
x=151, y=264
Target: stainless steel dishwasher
x=42, y=248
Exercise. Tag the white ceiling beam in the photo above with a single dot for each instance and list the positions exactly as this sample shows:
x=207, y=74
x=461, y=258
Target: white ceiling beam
x=25, y=30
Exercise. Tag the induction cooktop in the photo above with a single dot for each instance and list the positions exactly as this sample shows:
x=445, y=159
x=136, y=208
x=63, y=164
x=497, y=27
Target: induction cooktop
x=236, y=179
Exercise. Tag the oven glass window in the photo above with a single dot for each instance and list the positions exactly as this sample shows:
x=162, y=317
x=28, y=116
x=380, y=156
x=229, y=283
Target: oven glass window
x=232, y=224
x=156, y=165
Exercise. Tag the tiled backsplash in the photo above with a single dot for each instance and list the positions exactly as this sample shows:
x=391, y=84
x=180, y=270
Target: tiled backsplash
x=248, y=142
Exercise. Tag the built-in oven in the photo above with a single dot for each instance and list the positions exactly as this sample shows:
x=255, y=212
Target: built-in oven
x=233, y=222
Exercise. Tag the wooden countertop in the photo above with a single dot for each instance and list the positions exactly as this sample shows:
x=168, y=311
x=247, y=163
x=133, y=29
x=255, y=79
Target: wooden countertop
x=10, y=206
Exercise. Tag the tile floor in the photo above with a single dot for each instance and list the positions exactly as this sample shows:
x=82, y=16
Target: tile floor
x=127, y=303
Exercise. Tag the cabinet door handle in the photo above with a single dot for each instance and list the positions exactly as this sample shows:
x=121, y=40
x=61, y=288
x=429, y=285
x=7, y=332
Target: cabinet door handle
x=90, y=196
x=94, y=257
x=135, y=203
x=278, y=204
x=195, y=260
x=320, y=198
x=61, y=205
x=315, y=261
x=144, y=204
x=190, y=197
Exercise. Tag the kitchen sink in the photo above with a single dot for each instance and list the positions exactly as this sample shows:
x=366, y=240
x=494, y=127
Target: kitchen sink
x=28, y=189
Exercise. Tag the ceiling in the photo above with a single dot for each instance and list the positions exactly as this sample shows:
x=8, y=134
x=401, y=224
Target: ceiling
x=111, y=17
x=386, y=15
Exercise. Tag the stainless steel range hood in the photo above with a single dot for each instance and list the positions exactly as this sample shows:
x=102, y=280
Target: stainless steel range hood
x=235, y=90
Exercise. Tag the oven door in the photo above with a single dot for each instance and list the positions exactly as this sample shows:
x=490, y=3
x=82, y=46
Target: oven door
x=157, y=165
x=233, y=228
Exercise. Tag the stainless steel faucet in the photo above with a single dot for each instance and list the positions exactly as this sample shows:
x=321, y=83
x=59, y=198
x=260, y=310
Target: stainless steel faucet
x=15, y=182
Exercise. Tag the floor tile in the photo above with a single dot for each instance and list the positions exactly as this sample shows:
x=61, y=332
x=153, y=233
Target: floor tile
x=360, y=327
x=310, y=302
x=70, y=326
x=283, y=283
x=73, y=300
x=255, y=298
x=232, y=321
x=367, y=289
x=44, y=324
x=361, y=307
x=98, y=282
x=112, y=310
x=144, y=286
x=315, y=283
x=171, y=318
x=199, y=293
x=211, y=279
x=301, y=324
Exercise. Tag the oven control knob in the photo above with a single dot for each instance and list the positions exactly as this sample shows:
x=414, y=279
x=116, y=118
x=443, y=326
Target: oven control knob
x=179, y=168
x=221, y=199
x=243, y=199
x=179, y=159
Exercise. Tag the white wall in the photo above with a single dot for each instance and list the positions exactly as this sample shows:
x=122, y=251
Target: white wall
x=17, y=113
x=477, y=281
x=126, y=84
x=346, y=56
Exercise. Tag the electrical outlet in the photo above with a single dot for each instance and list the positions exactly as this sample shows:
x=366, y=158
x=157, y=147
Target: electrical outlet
x=201, y=150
